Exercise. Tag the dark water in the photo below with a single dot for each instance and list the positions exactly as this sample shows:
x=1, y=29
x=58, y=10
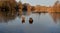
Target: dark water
x=42, y=23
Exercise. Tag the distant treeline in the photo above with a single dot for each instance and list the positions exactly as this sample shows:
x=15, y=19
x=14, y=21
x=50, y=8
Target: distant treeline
x=10, y=5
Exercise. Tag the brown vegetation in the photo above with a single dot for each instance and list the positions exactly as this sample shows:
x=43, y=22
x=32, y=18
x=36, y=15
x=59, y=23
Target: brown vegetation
x=9, y=5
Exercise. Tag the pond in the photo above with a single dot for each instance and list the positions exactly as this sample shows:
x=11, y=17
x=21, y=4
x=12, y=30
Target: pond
x=42, y=23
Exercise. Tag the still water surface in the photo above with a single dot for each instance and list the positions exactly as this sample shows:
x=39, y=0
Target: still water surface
x=42, y=23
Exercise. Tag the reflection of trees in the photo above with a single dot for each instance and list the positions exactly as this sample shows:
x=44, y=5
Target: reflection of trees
x=5, y=17
x=55, y=16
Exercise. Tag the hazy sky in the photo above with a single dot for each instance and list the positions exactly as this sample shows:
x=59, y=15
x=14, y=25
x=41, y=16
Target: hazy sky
x=39, y=2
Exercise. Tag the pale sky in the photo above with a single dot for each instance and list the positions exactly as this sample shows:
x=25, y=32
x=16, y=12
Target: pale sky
x=39, y=2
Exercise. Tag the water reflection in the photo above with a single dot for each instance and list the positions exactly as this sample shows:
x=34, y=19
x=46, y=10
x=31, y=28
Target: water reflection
x=34, y=22
x=6, y=16
x=11, y=15
x=55, y=17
